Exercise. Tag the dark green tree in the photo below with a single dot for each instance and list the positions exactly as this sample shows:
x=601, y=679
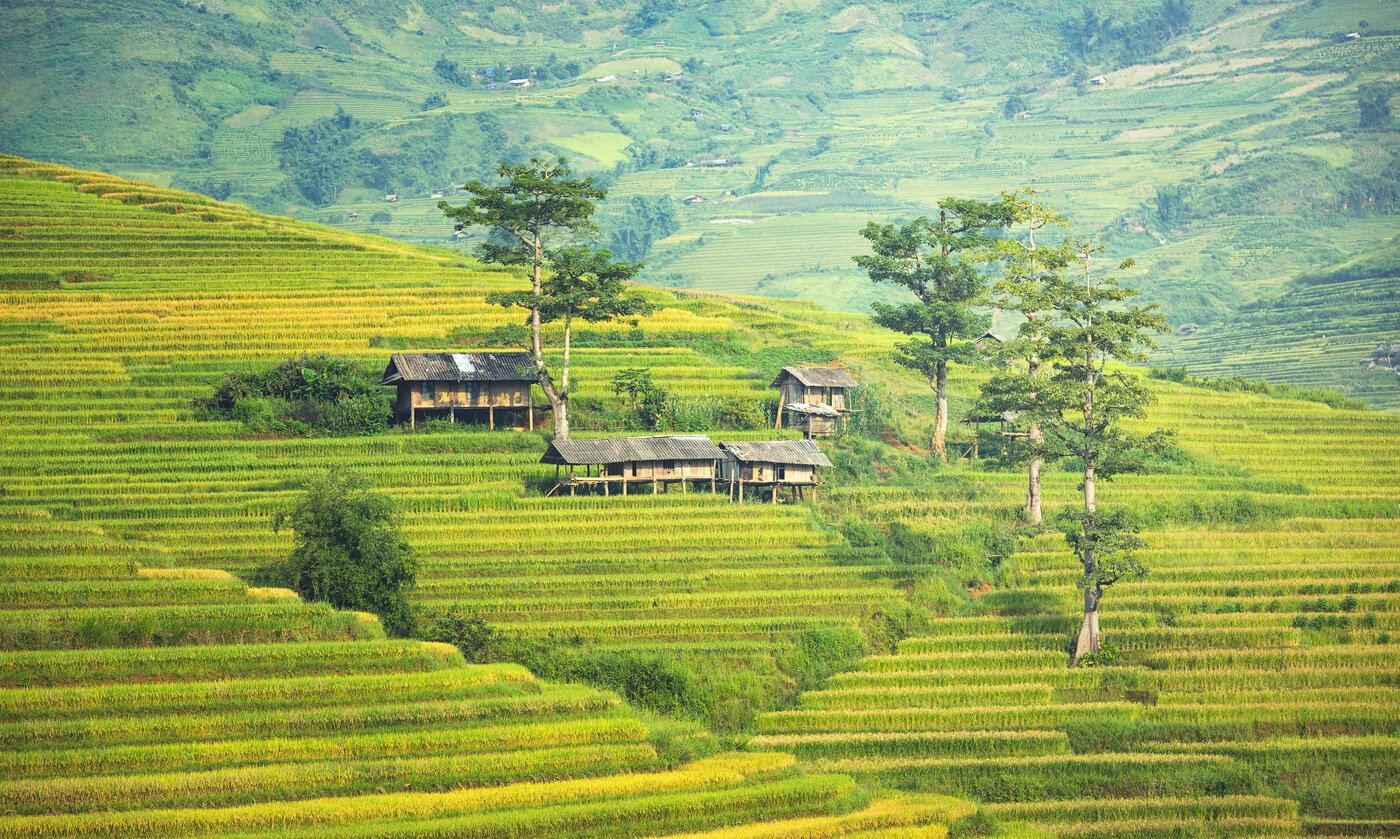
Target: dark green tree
x=1374, y=102
x=1025, y=269
x=937, y=262
x=538, y=205
x=349, y=550
x=1082, y=406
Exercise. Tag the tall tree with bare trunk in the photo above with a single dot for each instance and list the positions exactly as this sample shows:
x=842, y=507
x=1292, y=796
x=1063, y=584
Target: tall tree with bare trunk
x=538, y=207
x=938, y=261
x=1024, y=269
x=1081, y=407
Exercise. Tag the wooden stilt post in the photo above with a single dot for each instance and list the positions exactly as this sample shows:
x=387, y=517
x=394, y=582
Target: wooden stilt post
x=452, y=414
x=774, y=499
x=412, y=417
x=491, y=416
x=741, y=489
x=607, y=486
x=532, y=414
x=653, y=481
x=624, y=486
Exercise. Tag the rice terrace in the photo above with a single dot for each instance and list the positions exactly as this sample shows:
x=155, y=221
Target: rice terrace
x=791, y=419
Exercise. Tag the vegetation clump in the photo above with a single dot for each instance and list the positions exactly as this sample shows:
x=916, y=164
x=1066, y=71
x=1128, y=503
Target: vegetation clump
x=308, y=394
x=349, y=551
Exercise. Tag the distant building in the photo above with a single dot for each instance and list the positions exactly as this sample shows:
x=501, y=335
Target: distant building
x=607, y=78
x=772, y=463
x=470, y=386
x=1353, y=36
x=352, y=215
x=322, y=48
x=696, y=113
x=1099, y=81
x=988, y=339
x=620, y=462
x=724, y=126
x=693, y=199
x=392, y=197
x=813, y=398
x=519, y=82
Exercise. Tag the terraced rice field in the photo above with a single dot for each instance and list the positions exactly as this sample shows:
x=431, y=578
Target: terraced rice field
x=1259, y=658
x=145, y=690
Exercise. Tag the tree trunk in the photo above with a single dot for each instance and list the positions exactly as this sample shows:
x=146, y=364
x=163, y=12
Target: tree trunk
x=1033, y=514
x=1089, y=630
x=940, y=419
x=558, y=401
x=1037, y=437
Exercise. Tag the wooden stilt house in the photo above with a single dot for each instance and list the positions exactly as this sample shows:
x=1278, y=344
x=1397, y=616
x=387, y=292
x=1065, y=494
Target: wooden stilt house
x=813, y=399
x=617, y=463
x=771, y=463
x=493, y=388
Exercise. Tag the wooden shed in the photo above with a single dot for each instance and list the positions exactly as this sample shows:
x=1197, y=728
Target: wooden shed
x=771, y=463
x=621, y=462
x=490, y=387
x=812, y=398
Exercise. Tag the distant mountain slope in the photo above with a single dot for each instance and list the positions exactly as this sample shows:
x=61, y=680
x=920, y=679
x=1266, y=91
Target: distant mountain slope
x=1227, y=147
x=1316, y=332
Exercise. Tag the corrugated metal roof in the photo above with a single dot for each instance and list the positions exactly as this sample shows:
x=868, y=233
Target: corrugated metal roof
x=796, y=452
x=819, y=410
x=625, y=449
x=460, y=367
x=818, y=376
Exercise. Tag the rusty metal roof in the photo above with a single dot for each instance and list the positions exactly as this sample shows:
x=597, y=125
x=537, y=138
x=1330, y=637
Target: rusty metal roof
x=817, y=376
x=460, y=367
x=819, y=410
x=795, y=452
x=626, y=449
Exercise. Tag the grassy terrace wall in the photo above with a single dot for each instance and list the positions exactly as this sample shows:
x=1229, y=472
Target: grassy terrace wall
x=1257, y=693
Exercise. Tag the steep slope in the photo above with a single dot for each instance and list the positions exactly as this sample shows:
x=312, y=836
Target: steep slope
x=1255, y=696
x=1222, y=144
x=1320, y=330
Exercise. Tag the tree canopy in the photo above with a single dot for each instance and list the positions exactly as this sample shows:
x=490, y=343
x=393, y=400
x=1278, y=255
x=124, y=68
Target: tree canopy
x=349, y=550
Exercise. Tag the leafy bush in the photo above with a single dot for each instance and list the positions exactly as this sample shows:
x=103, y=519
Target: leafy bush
x=349, y=550
x=308, y=393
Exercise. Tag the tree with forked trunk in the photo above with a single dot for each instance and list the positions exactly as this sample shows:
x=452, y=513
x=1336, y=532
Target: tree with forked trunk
x=540, y=206
x=1081, y=408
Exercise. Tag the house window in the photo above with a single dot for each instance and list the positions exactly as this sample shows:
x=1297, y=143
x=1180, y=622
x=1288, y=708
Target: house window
x=668, y=465
x=471, y=391
x=782, y=473
x=634, y=468
x=425, y=390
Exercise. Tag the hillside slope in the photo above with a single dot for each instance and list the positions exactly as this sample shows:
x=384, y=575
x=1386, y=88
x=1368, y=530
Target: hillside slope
x=1224, y=145
x=1256, y=694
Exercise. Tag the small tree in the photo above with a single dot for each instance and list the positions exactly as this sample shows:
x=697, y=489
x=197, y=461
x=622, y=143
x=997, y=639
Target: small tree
x=936, y=260
x=1025, y=271
x=538, y=204
x=1081, y=408
x=349, y=550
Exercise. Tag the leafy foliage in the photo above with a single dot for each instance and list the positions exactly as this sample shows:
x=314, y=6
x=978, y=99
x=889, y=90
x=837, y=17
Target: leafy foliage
x=350, y=550
x=307, y=393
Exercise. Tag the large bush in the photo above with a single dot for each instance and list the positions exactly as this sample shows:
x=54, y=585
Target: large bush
x=349, y=550
x=308, y=393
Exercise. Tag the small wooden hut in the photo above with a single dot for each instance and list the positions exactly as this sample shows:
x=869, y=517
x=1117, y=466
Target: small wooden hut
x=1005, y=423
x=621, y=462
x=771, y=463
x=492, y=387
x=813, y=398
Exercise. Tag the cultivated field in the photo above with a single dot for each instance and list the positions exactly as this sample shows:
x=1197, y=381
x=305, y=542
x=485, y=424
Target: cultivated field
x=148, y=691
